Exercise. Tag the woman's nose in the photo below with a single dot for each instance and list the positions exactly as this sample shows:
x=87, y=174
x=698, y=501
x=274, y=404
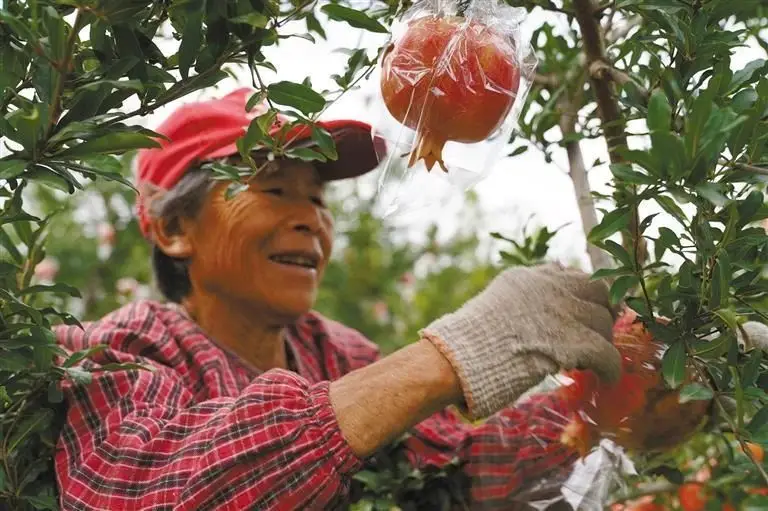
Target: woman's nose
x=307, y=218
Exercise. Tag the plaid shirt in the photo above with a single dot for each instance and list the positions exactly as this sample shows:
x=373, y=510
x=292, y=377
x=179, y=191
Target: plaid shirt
x=206, y=431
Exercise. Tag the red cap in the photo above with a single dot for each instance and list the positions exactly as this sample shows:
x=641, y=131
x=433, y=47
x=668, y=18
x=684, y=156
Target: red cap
x=209, y=130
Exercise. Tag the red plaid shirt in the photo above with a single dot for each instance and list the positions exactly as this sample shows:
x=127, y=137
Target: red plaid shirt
x=205, y=431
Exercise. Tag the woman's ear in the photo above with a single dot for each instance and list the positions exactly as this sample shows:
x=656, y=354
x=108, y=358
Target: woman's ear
x=172, y=237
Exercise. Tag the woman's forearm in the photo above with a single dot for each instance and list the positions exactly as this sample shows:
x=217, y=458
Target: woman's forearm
x=376, y=404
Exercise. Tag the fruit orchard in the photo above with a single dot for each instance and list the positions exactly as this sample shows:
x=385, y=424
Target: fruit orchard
x=679, y=237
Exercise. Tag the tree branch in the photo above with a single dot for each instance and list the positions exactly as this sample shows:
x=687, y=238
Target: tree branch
x=614, y=125
x=751, y=168
x=602, y=70
x=578, y=173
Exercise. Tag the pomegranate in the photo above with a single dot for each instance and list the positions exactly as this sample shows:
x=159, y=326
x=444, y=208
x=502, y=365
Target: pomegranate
x=638, y=412
x=693, y=497
x=449, y=78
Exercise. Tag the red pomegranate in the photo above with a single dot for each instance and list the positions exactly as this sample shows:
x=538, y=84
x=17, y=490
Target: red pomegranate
x=639, y=412
x=449, y=78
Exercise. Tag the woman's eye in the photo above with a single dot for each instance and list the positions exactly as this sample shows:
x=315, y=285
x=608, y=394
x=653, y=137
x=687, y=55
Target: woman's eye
x=274, y=191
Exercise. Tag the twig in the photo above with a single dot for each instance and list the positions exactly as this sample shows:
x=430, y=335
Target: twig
x=255, y=73
x=547, y=81
x=751, y=168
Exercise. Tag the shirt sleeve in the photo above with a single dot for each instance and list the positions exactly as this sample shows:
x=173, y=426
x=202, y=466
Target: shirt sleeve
x=139, y=440
x=500, y=457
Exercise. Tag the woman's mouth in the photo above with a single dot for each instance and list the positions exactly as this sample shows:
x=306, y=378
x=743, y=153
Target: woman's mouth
x=307, y=261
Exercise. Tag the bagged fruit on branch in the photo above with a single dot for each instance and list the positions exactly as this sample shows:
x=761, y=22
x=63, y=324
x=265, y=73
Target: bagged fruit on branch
x=452, y=82
x=592, y=427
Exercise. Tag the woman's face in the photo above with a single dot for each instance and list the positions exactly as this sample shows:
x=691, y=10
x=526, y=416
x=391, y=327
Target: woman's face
x=267, y=247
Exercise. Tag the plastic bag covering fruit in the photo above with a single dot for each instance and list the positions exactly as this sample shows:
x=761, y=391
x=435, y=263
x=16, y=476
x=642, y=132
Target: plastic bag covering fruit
x=639, y=412
x=449, y=78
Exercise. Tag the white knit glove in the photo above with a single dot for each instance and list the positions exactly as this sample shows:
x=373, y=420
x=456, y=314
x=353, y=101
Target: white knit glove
x=529, y=322
x=753, y=335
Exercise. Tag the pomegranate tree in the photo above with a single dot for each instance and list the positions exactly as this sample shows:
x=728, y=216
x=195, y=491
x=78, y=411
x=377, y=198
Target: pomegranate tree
x=449, y=79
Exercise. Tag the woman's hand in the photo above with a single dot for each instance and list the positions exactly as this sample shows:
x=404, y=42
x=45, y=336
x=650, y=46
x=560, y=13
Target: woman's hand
x=529, y=322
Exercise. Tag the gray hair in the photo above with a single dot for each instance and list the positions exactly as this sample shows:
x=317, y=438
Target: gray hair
x=184, y=200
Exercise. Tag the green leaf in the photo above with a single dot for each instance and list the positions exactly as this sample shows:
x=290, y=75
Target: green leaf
x=53, y=288
x=749, y=207
x=621, y=286
x=123, y=367
x=253, y=18
x=608, y=273
x=40, y=419
x=620, y=253
x=324, y=142
x=711, y=349
x=78, y=375
x=234, y=189
x=751, y=369
x=640, y=306
x=305, y=154
x=42, y=502
x=7, y=243
x=353, y=17
x=296, y=95
x=79, y=356
x=518, y=151
x=192, y=36
x=744, y=100
x=745, y=74
x=695, y=392
x=17, y=25
x=670, y=206
x=713, y=192
x=57, y=32
x=611, y=223
x=113, y=143
x=623, y=172
x=313, y=25
x=721, y=281
x=50, y=178
x=10, y=169
x=256, y=99
x=729, y=318
x=659, y=112
x=759, y=420
x=673, y=365
x=253, y=136
x=667, y=238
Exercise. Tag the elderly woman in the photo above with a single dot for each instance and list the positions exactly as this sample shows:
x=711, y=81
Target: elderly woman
x=255, y=401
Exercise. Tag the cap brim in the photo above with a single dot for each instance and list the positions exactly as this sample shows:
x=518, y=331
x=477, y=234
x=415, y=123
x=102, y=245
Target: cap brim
x=358, y=151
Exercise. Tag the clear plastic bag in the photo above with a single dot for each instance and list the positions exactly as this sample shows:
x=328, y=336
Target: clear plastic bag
x=452, y=84
x=605, y=422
